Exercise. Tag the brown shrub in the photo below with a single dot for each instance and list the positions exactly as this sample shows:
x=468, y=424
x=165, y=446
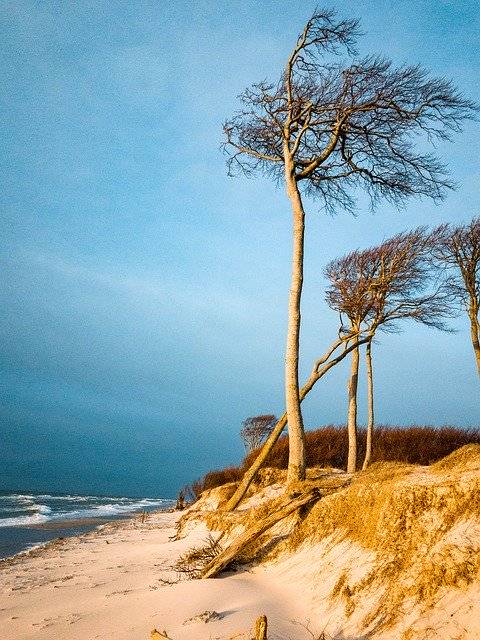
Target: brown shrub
x=327, y=447
x=213, y=479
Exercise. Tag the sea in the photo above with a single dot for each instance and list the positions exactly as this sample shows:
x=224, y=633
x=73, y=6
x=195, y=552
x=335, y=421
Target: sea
x=30, y=520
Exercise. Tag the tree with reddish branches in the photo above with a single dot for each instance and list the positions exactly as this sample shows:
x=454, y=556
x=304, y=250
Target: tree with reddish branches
x=256, y=430
x=373, y=290
x=458, y=250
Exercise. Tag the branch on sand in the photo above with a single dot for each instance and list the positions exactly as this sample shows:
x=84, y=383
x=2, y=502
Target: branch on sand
x=259, y=630
x=159, y=635
x=231, y=552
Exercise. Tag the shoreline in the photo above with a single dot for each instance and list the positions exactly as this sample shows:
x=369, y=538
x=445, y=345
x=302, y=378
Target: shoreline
x=32, y=536
x=329, y=574
x=70, y=528
x=114, y=583
x=64, y=524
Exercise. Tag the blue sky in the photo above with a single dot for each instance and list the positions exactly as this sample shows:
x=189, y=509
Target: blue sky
x=143, y=297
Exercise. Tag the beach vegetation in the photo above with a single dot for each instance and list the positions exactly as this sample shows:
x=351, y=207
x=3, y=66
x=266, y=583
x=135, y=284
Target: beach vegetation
x=371, y=290
x=192, y=563
x=375, y=290
x=394, y=538
x=256, y=429
x=327, y=447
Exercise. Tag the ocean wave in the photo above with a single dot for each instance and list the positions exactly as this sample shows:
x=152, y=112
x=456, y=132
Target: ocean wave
x=73, y=498
x=15, y=509
x=70, y=498
x=24, y=521
x=39, y=508
x=43, y=508
x=18, y=497
x=105, y=510
x=44, y=513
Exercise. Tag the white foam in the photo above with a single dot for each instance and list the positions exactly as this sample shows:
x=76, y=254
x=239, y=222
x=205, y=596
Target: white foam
x=105, y=510
x=44, y=513
x=39, y=508
x=71, y=498
x=42, y=508
x=24, y=521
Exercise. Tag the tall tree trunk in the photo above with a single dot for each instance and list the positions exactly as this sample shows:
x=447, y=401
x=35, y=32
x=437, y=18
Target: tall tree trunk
x=352, y=413
x=296, y=455
x=475, y=333
x=317, y=373
x=371, y=412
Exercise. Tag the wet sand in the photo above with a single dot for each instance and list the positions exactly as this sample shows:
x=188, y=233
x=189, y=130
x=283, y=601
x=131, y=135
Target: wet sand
x=71, y=524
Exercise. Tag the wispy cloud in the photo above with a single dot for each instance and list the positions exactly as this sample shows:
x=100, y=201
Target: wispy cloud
x=147, y=289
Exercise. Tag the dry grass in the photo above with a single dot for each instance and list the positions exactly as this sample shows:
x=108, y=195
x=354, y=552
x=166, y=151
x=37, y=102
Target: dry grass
x=192, y=563
x=467, y=457
x=415, y=519
x=420, y=525
x=268, y=476
x=328, y=446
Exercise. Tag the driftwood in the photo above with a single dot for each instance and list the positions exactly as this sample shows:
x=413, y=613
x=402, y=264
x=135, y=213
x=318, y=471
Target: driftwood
x=260, y=631
x=225, y=557
x=157, y=635
x=261, y=628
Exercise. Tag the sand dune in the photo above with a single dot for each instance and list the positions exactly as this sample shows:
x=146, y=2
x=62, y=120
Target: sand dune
x=393, y=554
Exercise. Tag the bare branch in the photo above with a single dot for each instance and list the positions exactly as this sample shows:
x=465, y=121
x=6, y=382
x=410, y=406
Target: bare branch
x=377, y=287
x=457, y=251
x=345, y=127
x=257, y=429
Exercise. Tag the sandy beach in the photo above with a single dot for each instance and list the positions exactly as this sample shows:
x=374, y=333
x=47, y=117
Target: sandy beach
x=108, y=584
x=390, y=554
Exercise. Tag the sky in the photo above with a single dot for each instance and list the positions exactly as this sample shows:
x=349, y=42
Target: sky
x=143, y=293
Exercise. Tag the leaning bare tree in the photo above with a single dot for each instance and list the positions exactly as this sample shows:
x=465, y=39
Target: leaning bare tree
x=377, y=287
x=256, y=430
x=337, y=351
x=459, y=250
x=325, y=129
x=373, y=290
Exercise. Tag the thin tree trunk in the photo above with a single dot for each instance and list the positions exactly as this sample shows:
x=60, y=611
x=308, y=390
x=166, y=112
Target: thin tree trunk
x=475, y=334
x=317, y=373
x=352, y=414
x=371, y=411
x=250, y=474
x=296, y=455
